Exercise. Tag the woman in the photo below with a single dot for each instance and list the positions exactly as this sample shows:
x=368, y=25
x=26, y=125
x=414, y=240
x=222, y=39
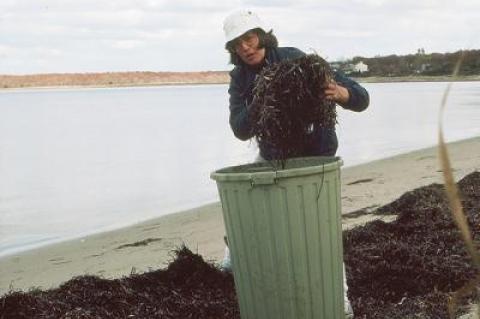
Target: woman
x=251, y=48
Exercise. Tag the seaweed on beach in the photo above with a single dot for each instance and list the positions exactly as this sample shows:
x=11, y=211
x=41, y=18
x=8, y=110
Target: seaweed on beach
x=408, y=268
x=188, y=288
x=289, y=102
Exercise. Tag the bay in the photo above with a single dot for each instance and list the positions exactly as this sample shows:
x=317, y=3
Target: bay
x=80, y=161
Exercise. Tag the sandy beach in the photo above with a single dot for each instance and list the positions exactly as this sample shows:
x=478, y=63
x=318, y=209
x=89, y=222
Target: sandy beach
x=148, y=245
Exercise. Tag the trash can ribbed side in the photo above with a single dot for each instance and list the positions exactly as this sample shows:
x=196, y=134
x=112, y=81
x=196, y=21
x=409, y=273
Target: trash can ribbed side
x=286, y=244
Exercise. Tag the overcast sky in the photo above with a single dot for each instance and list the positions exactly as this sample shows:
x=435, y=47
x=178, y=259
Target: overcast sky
x=45, y=36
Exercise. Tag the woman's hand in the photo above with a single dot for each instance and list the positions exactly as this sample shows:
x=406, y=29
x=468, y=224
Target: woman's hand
x=337, y=93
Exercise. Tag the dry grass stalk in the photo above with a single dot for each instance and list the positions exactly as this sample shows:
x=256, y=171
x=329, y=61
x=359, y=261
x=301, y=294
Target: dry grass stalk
x=454, y=201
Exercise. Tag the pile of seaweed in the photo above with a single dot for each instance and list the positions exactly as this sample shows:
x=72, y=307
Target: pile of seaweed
x=408, y=268
x=289, y=101
x=188, y=288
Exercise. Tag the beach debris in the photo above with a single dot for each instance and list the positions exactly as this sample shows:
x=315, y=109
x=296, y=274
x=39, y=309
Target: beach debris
x=407, y=268
x=144, y=242
x=411, y=267
x=289, y=102
x=188, y=288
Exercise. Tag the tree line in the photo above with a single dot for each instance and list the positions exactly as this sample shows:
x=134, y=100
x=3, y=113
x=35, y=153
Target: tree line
x=433, y=64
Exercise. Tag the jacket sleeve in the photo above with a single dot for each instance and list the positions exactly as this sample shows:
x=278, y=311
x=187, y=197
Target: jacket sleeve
x=239, y=121
x=359, y=97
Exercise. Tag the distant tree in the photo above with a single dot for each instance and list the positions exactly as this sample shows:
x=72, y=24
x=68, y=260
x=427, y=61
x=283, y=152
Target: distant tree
x=416, y=64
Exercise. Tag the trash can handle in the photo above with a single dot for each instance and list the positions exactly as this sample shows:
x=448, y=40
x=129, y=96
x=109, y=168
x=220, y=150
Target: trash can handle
x=263, y=178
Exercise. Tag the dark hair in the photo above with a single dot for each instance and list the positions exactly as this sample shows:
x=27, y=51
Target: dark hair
x=267, y=40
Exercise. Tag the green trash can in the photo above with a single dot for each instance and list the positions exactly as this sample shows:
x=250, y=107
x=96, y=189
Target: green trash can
x=285, y=237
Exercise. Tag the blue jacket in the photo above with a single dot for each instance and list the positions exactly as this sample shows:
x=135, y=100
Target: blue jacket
x=322, y=141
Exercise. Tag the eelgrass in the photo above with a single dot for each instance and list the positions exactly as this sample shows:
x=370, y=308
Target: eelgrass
x=289, y=103
x=188, y=288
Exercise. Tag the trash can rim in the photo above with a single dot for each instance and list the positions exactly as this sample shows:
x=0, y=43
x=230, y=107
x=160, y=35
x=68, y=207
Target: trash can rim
x=270, y=170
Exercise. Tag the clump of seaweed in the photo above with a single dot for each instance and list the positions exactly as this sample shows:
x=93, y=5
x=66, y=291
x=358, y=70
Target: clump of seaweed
x=188, y=288
x=289, y=103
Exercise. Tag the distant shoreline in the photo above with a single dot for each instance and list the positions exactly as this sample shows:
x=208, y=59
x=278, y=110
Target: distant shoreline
x=439, y=78
x=95, y=86
x=150, y=79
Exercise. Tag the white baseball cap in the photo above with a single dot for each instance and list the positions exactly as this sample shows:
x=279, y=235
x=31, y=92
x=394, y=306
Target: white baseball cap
x=239, y=22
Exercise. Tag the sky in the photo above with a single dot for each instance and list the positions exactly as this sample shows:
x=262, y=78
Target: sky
x=64, y=36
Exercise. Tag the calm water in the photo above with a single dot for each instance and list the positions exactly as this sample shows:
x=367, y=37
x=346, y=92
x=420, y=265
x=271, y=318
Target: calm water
x=74, y=162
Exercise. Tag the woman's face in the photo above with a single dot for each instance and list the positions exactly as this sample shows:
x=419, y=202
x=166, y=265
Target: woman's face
x=246, y=47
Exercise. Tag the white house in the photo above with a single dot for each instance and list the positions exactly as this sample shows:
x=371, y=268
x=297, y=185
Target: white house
x=360, y=67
